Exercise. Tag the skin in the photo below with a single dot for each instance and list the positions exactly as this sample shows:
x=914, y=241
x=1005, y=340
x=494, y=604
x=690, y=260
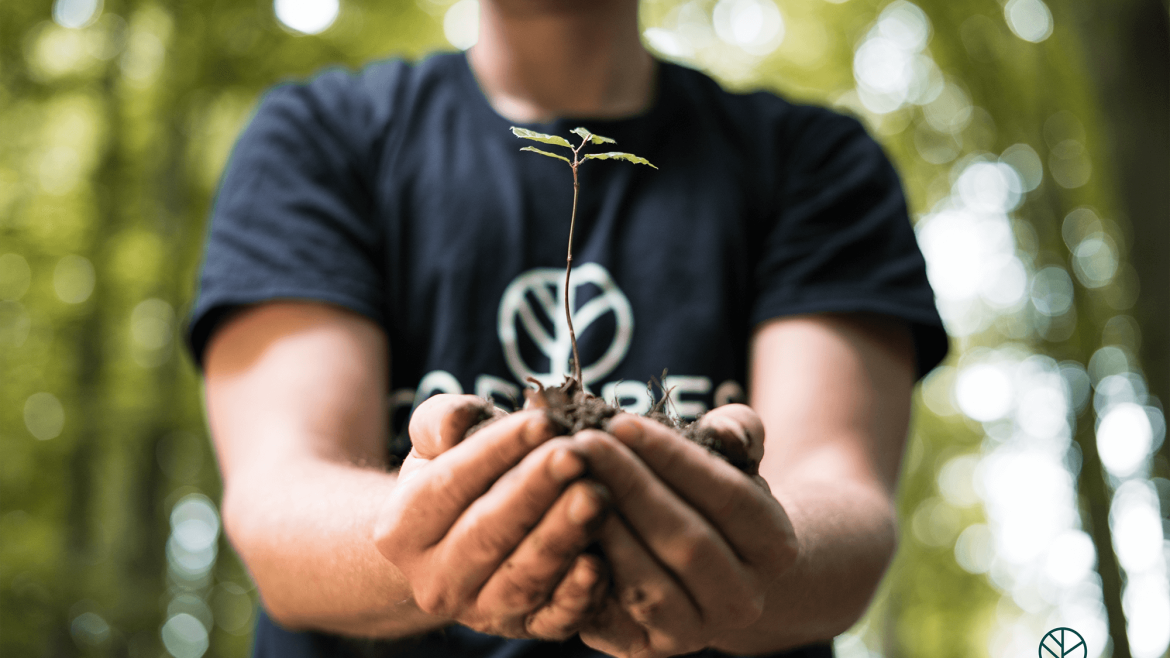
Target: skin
x=541, y=59
x=483, y=527
x=705, y=556
x=296, y=403
x=489, y=531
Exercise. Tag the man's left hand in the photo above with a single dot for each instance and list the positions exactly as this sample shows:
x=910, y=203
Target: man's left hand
x=696, y=543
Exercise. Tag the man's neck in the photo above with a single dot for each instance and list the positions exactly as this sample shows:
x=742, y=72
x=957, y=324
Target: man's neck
x=537, y=60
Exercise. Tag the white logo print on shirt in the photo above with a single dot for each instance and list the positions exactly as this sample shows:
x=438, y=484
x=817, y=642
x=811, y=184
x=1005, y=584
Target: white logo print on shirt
x=535, y=300
x=532, y=304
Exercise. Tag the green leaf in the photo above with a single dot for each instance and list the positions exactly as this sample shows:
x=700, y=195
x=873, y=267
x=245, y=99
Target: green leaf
x=525, y=133
x=628, y=157
x=551, y=155
x=588, y=136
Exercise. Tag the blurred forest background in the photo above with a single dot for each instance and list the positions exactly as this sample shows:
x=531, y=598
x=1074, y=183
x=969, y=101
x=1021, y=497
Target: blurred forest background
x=1032, y=137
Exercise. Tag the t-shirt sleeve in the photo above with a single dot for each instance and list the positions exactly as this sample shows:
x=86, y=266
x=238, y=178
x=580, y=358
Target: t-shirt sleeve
x=293, y=215
x=840, y=239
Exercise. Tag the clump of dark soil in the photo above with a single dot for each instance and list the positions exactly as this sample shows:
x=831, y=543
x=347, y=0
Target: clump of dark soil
x=570, y=409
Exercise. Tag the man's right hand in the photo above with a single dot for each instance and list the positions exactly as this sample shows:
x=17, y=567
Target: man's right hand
x=490, y=530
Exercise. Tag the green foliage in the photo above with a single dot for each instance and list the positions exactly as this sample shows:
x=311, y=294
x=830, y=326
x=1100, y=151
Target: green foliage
x=551, y=155
x=586, y=138
x=590, y=137
x=525, y=133
x=112, y=138
x=614, y=155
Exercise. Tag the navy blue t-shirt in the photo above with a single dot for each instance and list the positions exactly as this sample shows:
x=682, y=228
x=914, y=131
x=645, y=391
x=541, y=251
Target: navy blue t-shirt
x=398, y=192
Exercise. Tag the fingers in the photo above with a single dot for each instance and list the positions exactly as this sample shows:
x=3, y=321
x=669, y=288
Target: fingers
x=738, y=423
x=663, y=617
x=440, y=422
x=435, y=496
x=614, y=632
x=676, y=534
x=577, y=597
x=745, y=514
x=496, y=524
x=525, y=580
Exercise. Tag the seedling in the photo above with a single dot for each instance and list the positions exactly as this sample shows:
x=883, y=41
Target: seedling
x=569, y=407
x=579, y=158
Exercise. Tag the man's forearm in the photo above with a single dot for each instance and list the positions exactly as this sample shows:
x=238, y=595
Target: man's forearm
x=846, y=535
x=303, y=528
x=833, y=392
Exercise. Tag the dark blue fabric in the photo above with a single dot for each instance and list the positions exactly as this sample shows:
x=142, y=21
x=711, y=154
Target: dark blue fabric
x=398, y=193
x=272, y=641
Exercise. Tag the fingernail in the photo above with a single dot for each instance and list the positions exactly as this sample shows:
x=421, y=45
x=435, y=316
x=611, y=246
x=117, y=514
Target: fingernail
x=584, y=507
x=740, y=432
x=564, y=466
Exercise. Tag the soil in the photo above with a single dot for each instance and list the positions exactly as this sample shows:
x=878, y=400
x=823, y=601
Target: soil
x=570, y=409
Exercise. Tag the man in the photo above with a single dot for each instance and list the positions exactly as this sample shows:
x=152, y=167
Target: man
x=381, y=236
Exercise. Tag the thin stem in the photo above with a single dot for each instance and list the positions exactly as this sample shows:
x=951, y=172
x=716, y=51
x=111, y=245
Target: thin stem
x=568, y=269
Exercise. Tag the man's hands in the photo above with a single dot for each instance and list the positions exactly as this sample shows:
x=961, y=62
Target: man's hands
x=695, y=543
x=490, y=531
x=296, y=401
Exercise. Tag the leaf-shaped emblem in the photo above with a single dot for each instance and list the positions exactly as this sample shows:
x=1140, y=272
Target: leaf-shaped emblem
x=525, y=133
x=551, y=155
x=588, y=136
x=628, y=157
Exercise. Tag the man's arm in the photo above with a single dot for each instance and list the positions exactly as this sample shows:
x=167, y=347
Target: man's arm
x=798, y=564
x=834, y=394
x=296, y=398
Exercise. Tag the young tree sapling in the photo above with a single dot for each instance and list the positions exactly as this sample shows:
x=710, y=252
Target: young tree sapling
x=578, y=159
x=569, y=406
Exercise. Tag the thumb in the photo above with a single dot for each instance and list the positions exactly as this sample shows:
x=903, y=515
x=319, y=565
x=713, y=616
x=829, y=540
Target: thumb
x=738, y=427
x=441, y=422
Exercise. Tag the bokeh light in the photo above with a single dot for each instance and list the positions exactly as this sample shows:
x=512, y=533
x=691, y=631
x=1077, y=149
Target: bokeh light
x=1030, y=20
x=75, y=14
x=1026, y=163
x=44, y=416
x=461, y=24
x=89, y=629
x=892, y=70
x=74, y=279
x=119, y=122
x=984, y=392
x=192, y=547
x=1147, y=609
x=756, y=26
x=1052, y=291
x=1071, y=559
x=956, y=481
x=184, y=636
x=1136, y=523
x=152, y=328
x=191, y=551
x=973, y=549
x=1095, y=260
x=1124, y=438
x=307, y=16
